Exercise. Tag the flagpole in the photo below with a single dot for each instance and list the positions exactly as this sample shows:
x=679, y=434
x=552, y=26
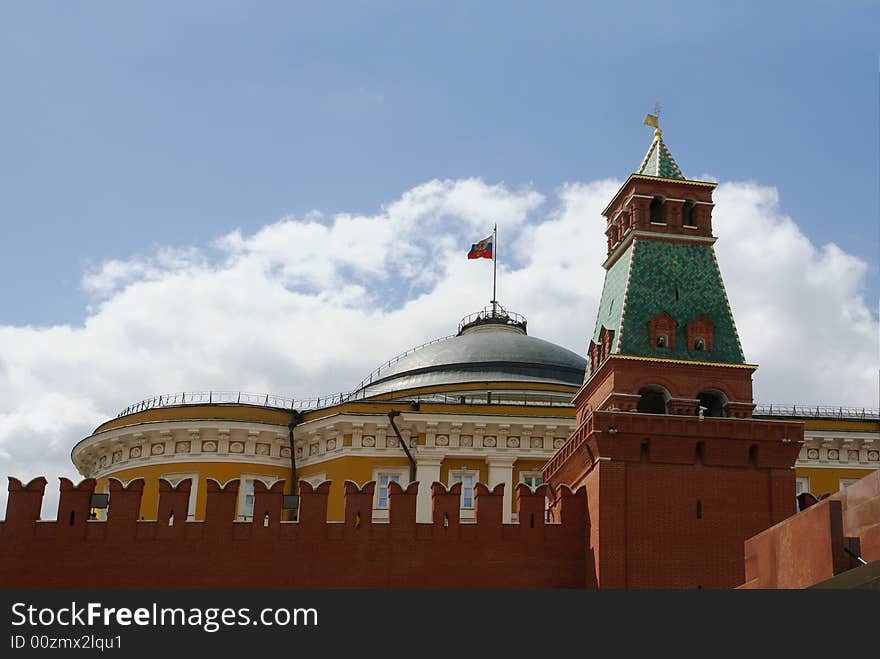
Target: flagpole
x=494, y=266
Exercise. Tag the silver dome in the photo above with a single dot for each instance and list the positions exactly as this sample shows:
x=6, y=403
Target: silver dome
x=482, y=352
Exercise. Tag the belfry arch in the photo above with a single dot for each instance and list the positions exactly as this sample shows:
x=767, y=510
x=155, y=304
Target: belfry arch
x=712, y=402
x=653, y=399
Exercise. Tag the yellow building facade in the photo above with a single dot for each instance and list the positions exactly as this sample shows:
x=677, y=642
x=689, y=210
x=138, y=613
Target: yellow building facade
x=490, y=404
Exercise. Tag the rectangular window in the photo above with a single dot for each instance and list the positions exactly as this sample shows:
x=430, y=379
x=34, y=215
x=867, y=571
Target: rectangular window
x=801, y=485
x=846, y=482
x=382, y=488
x=248, y=508
x=467, y=480
x=531, y=478
x=246, y=499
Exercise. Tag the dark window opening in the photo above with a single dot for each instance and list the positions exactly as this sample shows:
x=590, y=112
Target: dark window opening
x=699, y=509
x=687, y=213
x=700, y=448
x=72, y=517
x=653, y=400
x=662, y=341
x=532, y=520
x=711, y=403
x=677, y=293
x=171, y=518
x=699, y=344
x=644, y=449
x=656, y=212
x=753, y=455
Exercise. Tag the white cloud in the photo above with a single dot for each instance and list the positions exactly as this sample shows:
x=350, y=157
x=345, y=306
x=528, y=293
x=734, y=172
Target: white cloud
x=799, y=308
x=309, y=306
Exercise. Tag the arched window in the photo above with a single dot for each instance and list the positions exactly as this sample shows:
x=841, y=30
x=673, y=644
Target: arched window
x=687, y=214
x=699, y=333
x=653, y=399
x=712, y=403
x=656, y=211
x=661, y=331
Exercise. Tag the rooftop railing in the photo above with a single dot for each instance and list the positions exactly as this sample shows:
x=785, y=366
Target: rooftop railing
x=281, y=402
x=491, y=398
x=234, y=398
x=374, y=375
x=819, y=412
x=493, y=314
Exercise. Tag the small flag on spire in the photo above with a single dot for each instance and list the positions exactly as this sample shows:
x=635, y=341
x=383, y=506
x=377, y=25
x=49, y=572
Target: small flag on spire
x=652, y=120
x=482, y=249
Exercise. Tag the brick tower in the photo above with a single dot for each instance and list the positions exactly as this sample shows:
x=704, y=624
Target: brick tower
x=678, y=473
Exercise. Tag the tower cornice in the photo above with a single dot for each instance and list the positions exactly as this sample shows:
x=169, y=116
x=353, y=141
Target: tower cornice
x=659, y=179
x=631, y=235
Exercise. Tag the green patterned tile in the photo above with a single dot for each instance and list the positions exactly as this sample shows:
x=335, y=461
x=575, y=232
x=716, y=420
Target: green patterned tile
x=681, y=279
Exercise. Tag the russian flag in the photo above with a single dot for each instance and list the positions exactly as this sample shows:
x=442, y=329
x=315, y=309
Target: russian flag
x=482, y=249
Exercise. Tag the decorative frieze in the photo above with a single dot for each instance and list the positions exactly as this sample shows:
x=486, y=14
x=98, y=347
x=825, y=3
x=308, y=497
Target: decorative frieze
x=861, y=452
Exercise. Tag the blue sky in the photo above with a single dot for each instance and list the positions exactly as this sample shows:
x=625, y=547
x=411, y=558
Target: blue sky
x=129, y=126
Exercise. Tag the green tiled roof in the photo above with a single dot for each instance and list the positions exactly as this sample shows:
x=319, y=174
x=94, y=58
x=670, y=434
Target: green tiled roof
x=659, y=162
x=613, y=297
x=642, y=284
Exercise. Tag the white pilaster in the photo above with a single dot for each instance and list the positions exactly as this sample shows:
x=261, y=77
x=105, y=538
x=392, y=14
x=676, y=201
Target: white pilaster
x=427, y=472
x=501, y=471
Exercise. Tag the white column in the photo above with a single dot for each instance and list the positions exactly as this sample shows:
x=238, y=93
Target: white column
x=427, y=471
x=501, y=471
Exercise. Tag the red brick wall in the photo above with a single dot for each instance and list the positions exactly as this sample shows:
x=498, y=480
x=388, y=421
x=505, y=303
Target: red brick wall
x=642, y=498
x=619, y=376
x=809, y=547
x=123, y=552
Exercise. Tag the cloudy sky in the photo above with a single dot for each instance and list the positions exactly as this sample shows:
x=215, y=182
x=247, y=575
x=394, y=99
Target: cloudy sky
x=278, y=200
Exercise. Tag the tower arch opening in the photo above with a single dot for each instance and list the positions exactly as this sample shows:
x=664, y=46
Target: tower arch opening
x=655, y=212
x=712, y=403
x=653, y=399
x=687, y=213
